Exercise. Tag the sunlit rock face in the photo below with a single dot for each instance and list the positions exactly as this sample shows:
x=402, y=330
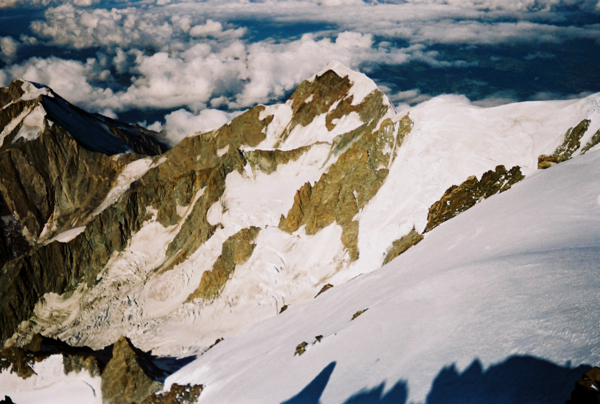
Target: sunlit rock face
x=107, y=233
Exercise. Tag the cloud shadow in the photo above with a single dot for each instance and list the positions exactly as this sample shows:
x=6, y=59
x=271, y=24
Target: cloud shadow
x=311, y=394
x=519, y=379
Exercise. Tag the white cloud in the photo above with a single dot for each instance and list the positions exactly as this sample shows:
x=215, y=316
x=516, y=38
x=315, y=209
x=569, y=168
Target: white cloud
x=81, y=28
x=211, y=27
x=45, y=3
x=8, y=49
x=182, y=123
x=185, y=54
x=237, y=76
x=403, y=99
x=539, y=55
x=496, y=99
x=70, y=79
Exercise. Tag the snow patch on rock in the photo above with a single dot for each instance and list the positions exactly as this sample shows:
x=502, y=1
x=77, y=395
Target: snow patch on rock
x=49, y=385
x=33, y=125
x=68, y=235
x=33, y=91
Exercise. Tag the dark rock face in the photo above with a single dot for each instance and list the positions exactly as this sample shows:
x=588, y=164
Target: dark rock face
x=51, y=181
x=587, y=390
x=92, y=131
x=186, y=394
x=459, y=198
x=81, y=179
x=130, y=376
x=75, y=359
x=55, y=173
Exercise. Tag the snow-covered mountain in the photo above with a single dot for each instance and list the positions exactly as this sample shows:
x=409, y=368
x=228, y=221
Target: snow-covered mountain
x=232, y=233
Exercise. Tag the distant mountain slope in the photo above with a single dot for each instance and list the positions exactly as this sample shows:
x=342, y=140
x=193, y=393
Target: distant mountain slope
x=59, y=168
x=229, y=227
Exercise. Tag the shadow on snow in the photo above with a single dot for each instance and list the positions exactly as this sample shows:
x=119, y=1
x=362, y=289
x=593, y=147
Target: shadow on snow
x=518, y=380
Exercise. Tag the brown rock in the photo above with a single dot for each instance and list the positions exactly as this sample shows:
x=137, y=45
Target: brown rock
x=129, y=376
x=301, y=348
x=75, y=359
x=268, y=160
x=592, y=142
x=358, y=313
x=324, y=288
x=237, y=249
x=179, y=394
x=570, y=144
x=351, y=181
x=402, y=244
x=459, y=198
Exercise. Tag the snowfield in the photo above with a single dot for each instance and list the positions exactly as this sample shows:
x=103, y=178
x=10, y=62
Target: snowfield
x=515, y=275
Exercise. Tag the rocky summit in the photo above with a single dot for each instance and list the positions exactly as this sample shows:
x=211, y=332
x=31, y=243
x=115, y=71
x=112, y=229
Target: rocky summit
x=108, y=236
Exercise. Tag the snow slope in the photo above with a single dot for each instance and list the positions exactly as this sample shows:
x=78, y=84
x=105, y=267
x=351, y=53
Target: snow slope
x=515, y=275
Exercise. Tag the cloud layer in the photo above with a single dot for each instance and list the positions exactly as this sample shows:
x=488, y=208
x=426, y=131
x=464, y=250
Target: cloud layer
x=194, y=58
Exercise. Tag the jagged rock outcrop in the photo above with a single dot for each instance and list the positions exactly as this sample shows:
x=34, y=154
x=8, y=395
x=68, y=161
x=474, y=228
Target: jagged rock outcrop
x=130, y=376
x=268, y=160
x=402, y=244
x=236, y=250
x=56, y=170
x=27, y=106
x=459, y=198
x=571, y=143
x=592, y=142
x=127, y=373
x=325, y=288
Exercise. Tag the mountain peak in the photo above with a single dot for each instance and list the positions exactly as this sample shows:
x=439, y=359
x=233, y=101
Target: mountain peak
x=361, y=84
x=22, y=90
x=29, y=109
x=33, y=90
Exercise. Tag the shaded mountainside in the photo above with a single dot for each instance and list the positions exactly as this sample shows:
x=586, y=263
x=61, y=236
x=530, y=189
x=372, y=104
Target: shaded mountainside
x=106, y=233
x=57, y=164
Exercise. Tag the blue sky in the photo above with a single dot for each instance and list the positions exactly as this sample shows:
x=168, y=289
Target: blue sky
x=189, y=65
